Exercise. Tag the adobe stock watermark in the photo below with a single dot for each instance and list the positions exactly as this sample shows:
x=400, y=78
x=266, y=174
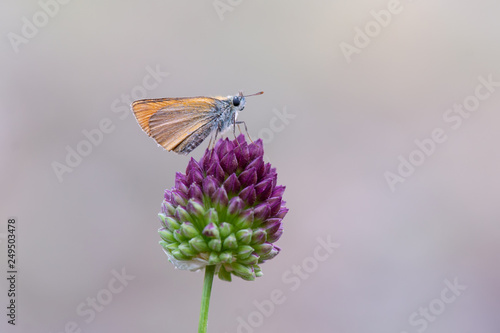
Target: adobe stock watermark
x=381, y=19
x=89, y=309
x=277, y=124
x=30, y=27
x=292, y=278
x=223, y=6
x=427, y=314
x=454, y=118
x=95, y=136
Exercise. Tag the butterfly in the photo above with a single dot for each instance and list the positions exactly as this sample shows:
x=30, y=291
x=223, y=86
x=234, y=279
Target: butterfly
x=181, y=124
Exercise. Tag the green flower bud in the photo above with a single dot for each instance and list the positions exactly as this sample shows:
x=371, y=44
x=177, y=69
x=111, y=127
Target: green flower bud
x=178, y=236
x=263, y=249
x=230, y=243
x=162, y=218
x=199, y=244
x=166, y=235
x=224, y=274
x=244, y=236
x=194, y=208
x=187, y=250
x=244, y=251
x=259, y=236
x=179, y=256
x=168, y=208
x=215, y=244
x=213, y=259
x=169, y=246
x=171, y=224
x=258, y=271
x=270, y=255
x=251, y=260
x=211, y=231
x=243, y=271
x=188, y=230
x=225, y=229
x=226, y=257
x=182, y=214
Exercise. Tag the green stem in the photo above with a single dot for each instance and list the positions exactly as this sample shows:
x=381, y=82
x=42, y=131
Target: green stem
x=205, y=297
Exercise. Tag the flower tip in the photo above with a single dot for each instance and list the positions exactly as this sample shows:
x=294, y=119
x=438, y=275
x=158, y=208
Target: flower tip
x=229, y=163
x=241, y=139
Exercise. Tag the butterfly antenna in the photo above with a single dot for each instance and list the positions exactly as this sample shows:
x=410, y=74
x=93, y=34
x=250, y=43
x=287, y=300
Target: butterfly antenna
x=259, y=93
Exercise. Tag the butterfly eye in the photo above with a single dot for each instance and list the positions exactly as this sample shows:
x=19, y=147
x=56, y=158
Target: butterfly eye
x=236, y=101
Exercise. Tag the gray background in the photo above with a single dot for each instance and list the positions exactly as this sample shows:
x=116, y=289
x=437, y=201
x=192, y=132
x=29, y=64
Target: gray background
x=352, y=120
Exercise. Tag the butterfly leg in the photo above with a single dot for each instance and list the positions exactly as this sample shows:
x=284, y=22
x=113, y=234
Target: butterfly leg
x=234, y=128
x=246, y=129
x=210, y=142
x=215, y=137
x=215, y=141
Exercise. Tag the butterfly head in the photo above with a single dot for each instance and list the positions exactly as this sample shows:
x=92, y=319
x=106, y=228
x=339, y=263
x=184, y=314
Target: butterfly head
x=238, y=101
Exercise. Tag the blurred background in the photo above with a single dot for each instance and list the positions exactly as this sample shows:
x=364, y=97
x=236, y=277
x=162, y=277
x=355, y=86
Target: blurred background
x=381, y=118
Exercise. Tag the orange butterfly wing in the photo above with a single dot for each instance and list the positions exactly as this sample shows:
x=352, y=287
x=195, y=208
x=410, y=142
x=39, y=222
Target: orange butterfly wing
x=178, y=124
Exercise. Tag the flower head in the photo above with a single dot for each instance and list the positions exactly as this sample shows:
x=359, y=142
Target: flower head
x=226, y=210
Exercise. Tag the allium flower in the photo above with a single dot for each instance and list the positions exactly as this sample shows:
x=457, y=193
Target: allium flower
x=225, y=211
